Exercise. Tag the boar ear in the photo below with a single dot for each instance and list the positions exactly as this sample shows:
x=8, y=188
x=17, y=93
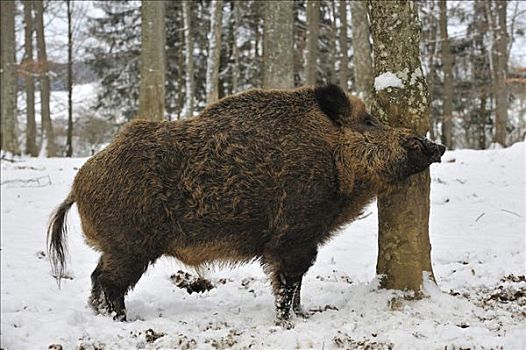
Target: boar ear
x=333, y=101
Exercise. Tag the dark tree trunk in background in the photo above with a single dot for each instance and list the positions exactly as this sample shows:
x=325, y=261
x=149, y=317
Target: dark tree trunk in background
x=153, y=65
x=9, y=125
x=45, y=85
x=214, y=51
x=313, y=30
x=500, y=66
x=344, y=60
x=235, y=49
x=404, y=250
x=69, y=143
x=28, y=72
x=447, y=63
x=362, y=59
x=189, y=60
x=278, y=45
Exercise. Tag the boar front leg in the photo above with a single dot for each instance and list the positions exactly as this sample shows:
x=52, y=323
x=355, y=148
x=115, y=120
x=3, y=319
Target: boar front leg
x=286, y=271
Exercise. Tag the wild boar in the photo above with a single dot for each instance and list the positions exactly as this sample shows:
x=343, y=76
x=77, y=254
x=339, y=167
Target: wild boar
x=264, y=175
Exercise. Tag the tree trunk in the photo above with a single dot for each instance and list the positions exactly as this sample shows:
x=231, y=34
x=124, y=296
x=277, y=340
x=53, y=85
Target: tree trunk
x=153, y=62
x=9, y=133
x=331, y=73
x=447, y=63
x=214, y=51
x=432, y=39
x=235, y=48
x=344, y=60
x=403, y=216
x=45, y=88
x=28, y=71
x=363, y=65
x=189, y=59
x=69, y=146
x=278, y=45
x=313, y=25
x=501, y=68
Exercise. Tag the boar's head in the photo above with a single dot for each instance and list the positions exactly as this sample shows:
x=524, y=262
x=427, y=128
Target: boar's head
x=370, y=153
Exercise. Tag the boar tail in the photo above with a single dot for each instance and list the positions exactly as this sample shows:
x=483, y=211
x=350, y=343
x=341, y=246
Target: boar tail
x=56, y=234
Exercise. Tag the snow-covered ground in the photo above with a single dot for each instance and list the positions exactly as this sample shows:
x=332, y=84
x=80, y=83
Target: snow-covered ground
x=477, y=233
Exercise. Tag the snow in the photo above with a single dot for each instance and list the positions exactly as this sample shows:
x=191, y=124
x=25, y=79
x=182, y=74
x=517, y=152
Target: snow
x=477, y=229
x=386, y=80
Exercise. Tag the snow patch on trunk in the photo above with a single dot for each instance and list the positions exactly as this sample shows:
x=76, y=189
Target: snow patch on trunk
x=387, y=80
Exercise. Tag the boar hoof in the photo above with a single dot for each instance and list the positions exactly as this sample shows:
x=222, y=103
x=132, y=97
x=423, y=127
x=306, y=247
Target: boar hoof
x=102, y=306
x=286, y=324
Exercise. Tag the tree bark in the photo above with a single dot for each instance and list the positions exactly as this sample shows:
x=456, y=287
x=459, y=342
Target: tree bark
x=189, y=59
x=501, y=68
x=344, y=60
x=431, y=63
x=214, y=51
x=313, y=25
x=278, y=45
x=363, y=65
x=153, y=62
x=69, y=142
x=9, y=125
x=447, y=63
x=28, y=71
x=403, y=216
x=235, y=49
x=45, y=88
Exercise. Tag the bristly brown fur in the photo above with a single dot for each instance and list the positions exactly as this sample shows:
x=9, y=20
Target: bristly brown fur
x=265, y=174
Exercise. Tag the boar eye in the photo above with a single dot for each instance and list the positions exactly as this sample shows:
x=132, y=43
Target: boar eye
x=369, y=122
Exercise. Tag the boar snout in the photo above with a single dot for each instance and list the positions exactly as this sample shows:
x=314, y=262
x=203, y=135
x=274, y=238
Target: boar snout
x=430, y=151
x=421, y=152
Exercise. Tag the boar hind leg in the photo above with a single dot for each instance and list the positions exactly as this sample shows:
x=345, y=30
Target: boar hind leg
x=113, y=277
x=287, y=270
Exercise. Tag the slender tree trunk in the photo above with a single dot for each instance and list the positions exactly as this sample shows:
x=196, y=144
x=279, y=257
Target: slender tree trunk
x=181, y=78
x=153, y=62
x=28, y=69
x=431, y=63
x=344, y=60
x=69, y=147
x=278, y=45
x=45, y=86
x=235, y=48
x=331, y=74
x=447, y=62
x=313, y=25
x=501, y=68
x=403, y=216
x=9, y=133
x=214, y=51
x=363, y=65
x=189, y=59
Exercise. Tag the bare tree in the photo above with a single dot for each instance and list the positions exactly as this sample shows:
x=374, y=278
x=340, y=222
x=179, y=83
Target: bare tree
x=277, y=45
x=235, y=49
x=9, y=133
x=447, y=63
x=313, y=25
x=500, y=68
x=403, y=216
x=344, y=60
x=214, y=51
x=153, y=65
x=28, y=71
x=69, y=142
x=363, y=65
x=45, y=88
x=189, y=60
